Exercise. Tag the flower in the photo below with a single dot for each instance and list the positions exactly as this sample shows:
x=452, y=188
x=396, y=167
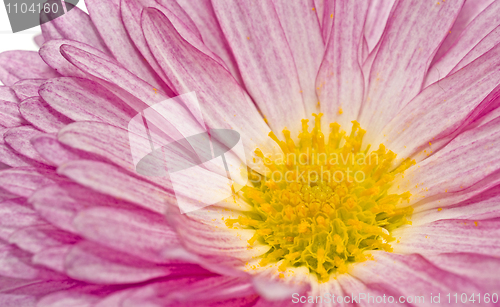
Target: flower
x=417, y=80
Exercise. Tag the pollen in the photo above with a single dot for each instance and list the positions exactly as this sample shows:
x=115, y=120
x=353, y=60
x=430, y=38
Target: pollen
x=325, y=203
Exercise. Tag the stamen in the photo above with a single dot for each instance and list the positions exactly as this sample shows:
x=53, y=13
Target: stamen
x=325, y=204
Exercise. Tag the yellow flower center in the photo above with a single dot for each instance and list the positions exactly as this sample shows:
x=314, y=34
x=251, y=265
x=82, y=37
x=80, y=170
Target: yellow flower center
x=323, y=203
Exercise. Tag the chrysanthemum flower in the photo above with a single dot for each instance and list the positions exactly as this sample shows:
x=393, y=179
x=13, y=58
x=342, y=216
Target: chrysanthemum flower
x=412, y=84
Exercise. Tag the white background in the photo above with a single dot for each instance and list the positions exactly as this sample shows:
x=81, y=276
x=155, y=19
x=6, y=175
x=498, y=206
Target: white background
x=21, y=40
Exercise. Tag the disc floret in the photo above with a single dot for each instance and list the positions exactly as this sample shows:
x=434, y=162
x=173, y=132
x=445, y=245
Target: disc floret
x=324, y=203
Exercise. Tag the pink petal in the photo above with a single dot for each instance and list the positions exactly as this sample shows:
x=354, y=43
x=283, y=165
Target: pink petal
x=175, y=68
x=106, y=141
x=205, y=291
x=178, y=10
x=352, y=287
x=139, y=233
x=461, y=96
x=470, y=10
x=60, y=203
x=52, y=257
x=220, y=249
x=376, y=21
x=330, y=287
x=6, y=93
x=486, y=44
x=411, y=276
x=108, y=70
x=9, y=114
x=271, y=78
x=398, y=70
x=457, y=198
x=11, y=158
x=14, y=215
x=131, y=14
x=63, y=299
x=364, y=52
x=40, y=237
x=27, y=88
x=271, y=287
x=84, y=295
x=116, y=299
x=261, y=302
x=18, y=65
x=243, y=301
x=368, y=63
x=15, y=263
x=484, y=205
x=4, y=195
x=241, y=114
x=50, y=52
x=106, y=17
x=109, y=180
x=303, y=33
x=85, y=100
x=319, y=7
x=93, y=263
x=7, y=283
x=450, y=236
x=192, y=38
x=491, y=112
x=28, y=293
x=19, y=139
x=23, y=181
x=36, y=289
x=192, y=194
x=456, y=167
x=52, y=150
x=483, y=270
x=203, y=15
x=93, y=64
x=340, y=79
x=42, y=116
x=477, y=30
x=74, y=25
x=13, y=300
x=39, y=40
x=327, y=23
